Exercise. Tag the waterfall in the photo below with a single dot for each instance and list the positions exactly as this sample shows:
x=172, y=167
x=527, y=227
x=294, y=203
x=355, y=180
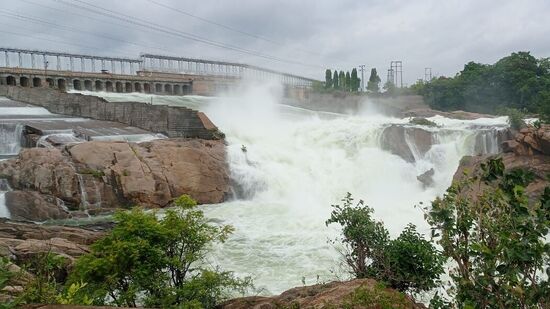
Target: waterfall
x=4, y=188
x=298, y=162
x=10, y=138
x=87, y=201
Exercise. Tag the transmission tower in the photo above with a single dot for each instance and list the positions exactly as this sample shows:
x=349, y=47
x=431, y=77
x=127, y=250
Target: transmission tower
x=397, y=72
x=427, y=74
x=362, y=68
x=390, y=78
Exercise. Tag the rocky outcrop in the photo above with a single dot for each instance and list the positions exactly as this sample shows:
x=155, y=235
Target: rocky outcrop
x=427, y=112
x=528, y=150
x=31, y=205
x=530, y=141
x=104, y=175
x=20, y=241
x=399, y=140
x=330, y=295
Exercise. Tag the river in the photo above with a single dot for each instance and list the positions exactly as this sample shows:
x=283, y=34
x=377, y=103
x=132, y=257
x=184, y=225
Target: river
x=297, y=163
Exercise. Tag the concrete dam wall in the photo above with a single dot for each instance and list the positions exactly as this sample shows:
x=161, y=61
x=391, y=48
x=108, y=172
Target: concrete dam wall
x=169, y=120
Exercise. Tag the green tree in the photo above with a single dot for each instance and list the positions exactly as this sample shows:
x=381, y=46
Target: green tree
x=342, y=79
x=408, y=263
x=328, y=79
x=495, y=238
x=373, y=84
x=355, y=81
x=349, y=86
x=156, y=262
x=335, y=80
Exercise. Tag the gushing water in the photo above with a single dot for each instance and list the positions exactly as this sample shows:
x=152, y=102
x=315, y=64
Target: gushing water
x=298, y=162
x=10, y=138
x=4, y=188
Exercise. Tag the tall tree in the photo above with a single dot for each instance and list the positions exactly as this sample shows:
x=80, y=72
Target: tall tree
x=328, y=79
x=342, y=79
x=335, y=81
x=354, y=80
x=348, y=81
x=374, y=81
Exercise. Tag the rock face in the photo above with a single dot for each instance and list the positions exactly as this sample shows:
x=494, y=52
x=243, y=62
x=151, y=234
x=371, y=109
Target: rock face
x=19, y=241
x=530, y=141
x=104, y=175
x=528, y=150
x=31, y=205
x=330, y=295
x=399, y=139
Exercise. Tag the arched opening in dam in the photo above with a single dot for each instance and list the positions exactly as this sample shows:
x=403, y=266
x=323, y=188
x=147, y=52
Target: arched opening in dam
x=98, y=85
x=177, y=89
x=168, y=89
x=119, y=87
x=88, y=85
x=77, y=84
x=109, y=86
x=128, y=87
x=137, y=87
x=36, y=82
x=62, y=84
x=147, y=87
x=158, y=88
x=24, y=81
x=11, y=81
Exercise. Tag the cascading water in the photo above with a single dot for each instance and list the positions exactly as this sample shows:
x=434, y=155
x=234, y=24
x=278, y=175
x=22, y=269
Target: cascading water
x=295, y=163
x=10, y=138
x=4, y=188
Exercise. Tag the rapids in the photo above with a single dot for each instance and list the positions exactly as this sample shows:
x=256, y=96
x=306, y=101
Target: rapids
x=298, y=162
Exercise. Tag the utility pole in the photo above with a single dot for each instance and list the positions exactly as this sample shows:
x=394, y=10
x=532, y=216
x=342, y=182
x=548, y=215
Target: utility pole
x=397, y=72
x=427, y=74
x=362, y=68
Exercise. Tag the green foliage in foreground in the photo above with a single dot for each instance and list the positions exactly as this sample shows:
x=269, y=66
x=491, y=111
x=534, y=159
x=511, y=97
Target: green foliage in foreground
x=408, y=263
x=156, y=262
x=496, y=240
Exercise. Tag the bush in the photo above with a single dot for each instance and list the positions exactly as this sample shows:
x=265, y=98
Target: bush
x=157, y=262
x=515, y=117
x=408, y=263
x=496, y=240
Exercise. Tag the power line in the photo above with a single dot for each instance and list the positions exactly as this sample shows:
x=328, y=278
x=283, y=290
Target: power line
x=174, y=32
x=208, y=21
x=70, y=29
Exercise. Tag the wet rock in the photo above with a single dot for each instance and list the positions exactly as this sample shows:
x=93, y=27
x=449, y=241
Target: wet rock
x=426, y=178
x=104, y=175
x=330, y=295
x=397, y=139
x=33, y=206
x=536, y=163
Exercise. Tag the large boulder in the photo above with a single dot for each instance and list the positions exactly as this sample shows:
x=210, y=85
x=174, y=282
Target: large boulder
x=399, y=140
x=105, y=175
x=31, y=205
x=530, y=141
x=330, y=295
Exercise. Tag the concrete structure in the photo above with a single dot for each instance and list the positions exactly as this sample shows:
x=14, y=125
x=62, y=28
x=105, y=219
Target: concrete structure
x=155, y=74
x=172, y=121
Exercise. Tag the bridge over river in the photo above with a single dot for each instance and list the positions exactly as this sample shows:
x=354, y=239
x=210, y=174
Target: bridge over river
x=155, y=74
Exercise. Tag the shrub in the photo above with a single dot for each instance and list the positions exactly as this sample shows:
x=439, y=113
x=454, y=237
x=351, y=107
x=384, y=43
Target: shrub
x=515, y=117
x=497, y=240
x=408, y=263
x=157, y=262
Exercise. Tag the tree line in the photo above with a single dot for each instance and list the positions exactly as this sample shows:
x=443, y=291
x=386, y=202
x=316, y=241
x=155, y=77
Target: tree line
x=342, y=81
x=518, y=81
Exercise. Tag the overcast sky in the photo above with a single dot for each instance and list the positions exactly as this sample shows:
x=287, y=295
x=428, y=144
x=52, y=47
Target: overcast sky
x=305, y=36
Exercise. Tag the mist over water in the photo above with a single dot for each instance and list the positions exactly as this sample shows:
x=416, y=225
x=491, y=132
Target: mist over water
x=297, y=163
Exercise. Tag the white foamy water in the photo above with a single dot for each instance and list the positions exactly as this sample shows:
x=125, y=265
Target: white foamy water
x=299, y=162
